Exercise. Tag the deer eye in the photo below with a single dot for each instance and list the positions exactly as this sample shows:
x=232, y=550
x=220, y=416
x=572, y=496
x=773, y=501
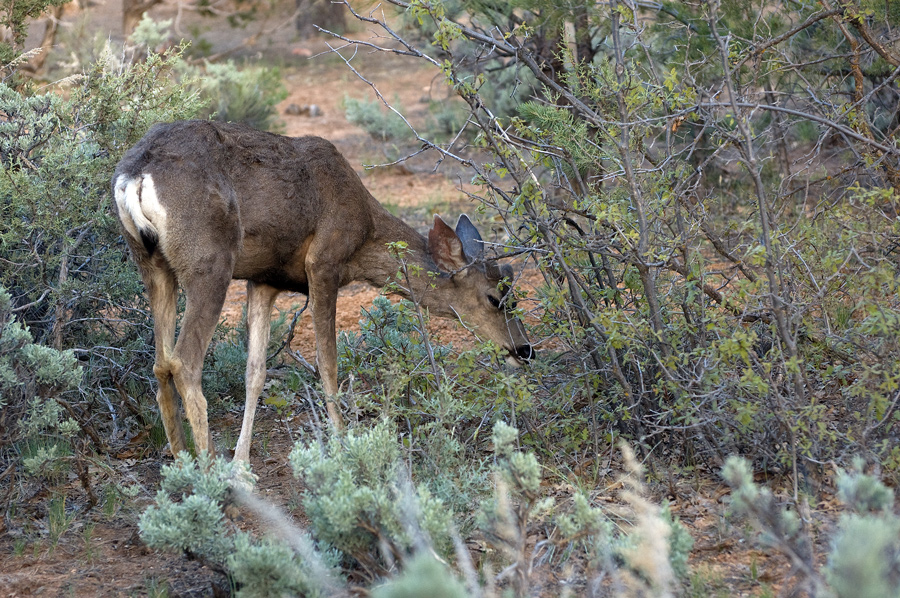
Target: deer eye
x=494, y=301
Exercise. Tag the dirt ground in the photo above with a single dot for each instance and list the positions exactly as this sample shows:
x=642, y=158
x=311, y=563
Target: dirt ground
x=102, y=555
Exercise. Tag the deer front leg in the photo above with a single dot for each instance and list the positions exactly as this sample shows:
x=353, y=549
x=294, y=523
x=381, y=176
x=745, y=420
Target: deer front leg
x=260, y=299
x=323, y=288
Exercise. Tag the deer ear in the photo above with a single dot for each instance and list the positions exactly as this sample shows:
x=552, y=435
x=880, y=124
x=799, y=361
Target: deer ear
x=470, y=237
x=445, y=247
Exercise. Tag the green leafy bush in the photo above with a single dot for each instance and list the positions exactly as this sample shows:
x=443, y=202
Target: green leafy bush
x=712, y=263
x=14, y=18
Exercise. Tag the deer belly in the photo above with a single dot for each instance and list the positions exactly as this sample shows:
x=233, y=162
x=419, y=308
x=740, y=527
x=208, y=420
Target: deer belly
x=261, y=262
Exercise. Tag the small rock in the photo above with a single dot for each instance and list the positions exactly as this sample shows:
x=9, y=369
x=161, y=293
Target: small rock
x=310, y=110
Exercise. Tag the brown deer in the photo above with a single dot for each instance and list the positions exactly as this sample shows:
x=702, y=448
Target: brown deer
x=202, y=203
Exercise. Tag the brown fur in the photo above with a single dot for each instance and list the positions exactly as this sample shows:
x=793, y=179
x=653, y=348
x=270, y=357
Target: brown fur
x=284, y=214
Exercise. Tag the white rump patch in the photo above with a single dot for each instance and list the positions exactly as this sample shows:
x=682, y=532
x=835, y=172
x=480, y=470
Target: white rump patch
x=139, y=207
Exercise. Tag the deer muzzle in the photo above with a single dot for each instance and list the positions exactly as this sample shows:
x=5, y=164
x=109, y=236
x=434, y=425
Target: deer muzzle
x=520, y=355
x=525, y=352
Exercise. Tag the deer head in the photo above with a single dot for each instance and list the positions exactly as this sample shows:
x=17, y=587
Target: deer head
x=475, y=289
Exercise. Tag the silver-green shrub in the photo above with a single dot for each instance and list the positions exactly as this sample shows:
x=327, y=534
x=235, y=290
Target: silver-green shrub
x=778, y=525
x=234, y=93
x=188, y=515
x=367, y=517
x=423, y=576
x=864, y=559
x=269, y=567
x=33, y=380
x=360, y=501
x=375, y=119
x=646, y=558
x=62, y=259
x=193, y=521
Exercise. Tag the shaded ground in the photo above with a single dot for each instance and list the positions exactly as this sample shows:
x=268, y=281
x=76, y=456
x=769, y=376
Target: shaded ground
x=100, y=554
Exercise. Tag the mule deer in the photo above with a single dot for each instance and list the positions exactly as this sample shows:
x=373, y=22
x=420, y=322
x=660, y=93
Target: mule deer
x=202, y=203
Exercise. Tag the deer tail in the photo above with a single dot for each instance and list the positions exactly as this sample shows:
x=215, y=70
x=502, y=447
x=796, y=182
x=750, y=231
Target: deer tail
x=139, y=209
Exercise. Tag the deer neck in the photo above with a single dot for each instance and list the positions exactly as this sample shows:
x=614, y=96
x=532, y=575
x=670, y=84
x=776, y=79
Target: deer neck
x=380, y=264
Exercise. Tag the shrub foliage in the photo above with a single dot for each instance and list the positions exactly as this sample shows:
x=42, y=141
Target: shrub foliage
x=73, y=305
x=713, y=213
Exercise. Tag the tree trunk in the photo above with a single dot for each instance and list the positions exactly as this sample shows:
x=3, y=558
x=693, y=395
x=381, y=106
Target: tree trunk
x=324, y=13
x=132, y=11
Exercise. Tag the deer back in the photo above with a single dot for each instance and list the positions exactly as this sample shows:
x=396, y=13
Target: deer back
x=232, y=188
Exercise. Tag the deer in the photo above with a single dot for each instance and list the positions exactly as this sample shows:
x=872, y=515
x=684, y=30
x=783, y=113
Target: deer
x=201, y=203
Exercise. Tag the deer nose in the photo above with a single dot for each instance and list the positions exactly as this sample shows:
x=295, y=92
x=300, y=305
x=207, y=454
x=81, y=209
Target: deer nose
x=524, y=352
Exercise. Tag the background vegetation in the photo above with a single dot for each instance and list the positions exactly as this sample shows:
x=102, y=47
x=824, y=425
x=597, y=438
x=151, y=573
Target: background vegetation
x=708, y=191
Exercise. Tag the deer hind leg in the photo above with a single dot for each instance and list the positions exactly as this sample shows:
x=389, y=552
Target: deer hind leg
x=162, y=290
x=260, y=299
x=205, y=298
